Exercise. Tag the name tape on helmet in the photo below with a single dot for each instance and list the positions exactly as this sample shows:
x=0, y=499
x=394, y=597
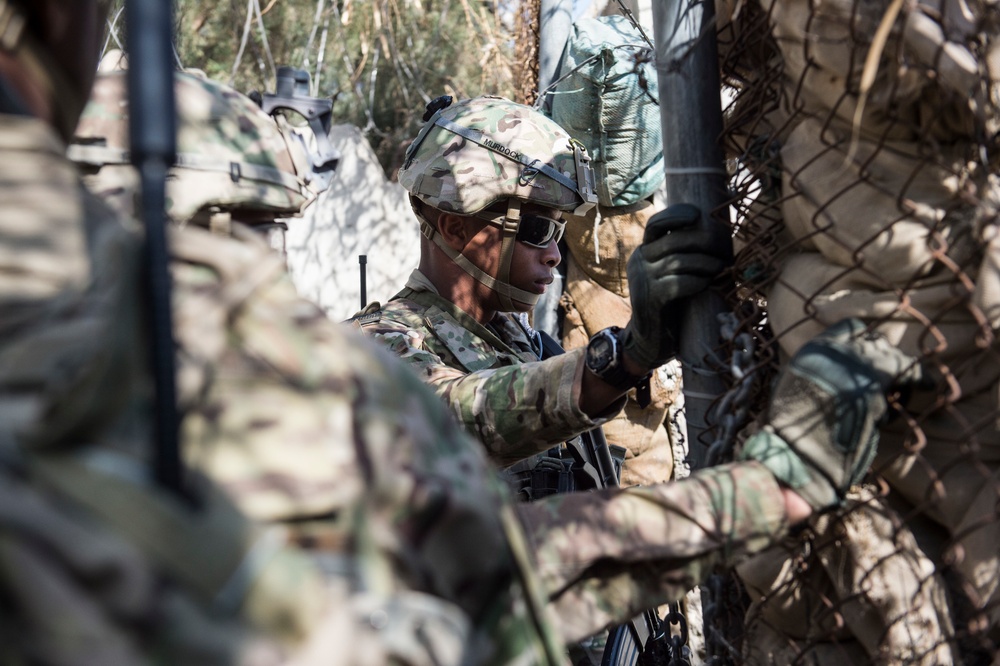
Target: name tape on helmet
x=479, y=138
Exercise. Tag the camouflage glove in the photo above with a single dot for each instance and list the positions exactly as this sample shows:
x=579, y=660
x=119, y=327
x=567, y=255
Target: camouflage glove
x=825, y=411
x=672, y=264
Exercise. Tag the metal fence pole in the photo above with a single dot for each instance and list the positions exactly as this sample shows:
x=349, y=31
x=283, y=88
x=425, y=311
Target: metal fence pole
x=691, y=114
x=687, y=66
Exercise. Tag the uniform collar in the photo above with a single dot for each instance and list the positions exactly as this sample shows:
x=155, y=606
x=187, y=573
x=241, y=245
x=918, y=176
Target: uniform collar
x=503, y=334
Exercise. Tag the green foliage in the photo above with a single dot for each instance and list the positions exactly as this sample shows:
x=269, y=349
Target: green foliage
x=381, y=61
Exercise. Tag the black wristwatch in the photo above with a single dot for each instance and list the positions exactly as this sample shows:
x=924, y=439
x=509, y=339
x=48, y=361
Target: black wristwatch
x=605, y=358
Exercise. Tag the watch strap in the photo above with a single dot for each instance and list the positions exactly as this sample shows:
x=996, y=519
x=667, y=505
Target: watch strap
x=615, y=372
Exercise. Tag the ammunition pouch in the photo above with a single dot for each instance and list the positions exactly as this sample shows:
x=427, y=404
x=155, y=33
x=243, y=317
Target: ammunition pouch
x=561, y=469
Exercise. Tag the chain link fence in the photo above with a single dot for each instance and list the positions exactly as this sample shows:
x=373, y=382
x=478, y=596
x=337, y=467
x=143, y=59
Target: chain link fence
x=861, y=139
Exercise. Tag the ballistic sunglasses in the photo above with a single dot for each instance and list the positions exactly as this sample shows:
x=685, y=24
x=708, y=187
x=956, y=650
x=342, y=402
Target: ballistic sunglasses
x=539, y=231
x=534, y=230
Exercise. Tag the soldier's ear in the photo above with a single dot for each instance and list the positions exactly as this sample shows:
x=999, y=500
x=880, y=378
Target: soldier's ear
x=456, y=230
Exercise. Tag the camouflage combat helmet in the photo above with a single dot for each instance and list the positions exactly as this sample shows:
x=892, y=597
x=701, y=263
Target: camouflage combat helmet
x=480, y=152
x=233, y=158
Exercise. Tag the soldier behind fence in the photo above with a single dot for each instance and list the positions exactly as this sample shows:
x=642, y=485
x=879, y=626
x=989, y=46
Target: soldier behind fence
x=606, y=97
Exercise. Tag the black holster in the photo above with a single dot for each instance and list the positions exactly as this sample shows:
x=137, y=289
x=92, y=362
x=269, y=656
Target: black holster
x=561, y=469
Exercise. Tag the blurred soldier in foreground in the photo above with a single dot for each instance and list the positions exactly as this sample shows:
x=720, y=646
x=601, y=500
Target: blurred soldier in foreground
x=235, y=162
x=285, y=410
x=308, y=427
x=101, y=565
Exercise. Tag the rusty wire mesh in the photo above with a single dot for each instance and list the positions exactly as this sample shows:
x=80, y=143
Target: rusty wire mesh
x=862, y=141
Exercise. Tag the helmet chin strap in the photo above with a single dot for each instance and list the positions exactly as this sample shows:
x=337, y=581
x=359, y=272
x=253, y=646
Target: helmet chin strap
x=500, y=284
x=508, y=239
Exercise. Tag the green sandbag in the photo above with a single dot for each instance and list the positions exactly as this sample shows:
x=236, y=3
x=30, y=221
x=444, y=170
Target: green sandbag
x=610, y=105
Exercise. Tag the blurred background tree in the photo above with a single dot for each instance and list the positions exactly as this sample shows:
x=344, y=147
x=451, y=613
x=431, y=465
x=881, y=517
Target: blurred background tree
x=381, y=61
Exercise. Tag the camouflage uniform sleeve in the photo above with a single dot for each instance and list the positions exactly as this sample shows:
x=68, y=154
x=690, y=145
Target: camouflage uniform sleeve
x=604, y=556
x=516, y=411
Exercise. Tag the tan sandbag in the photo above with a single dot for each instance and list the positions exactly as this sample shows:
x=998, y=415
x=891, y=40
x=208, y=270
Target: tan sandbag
x=873, y=206
x=986, y=295
x=825, y=47
x=602, y=241
x=956, y=490
x=811, y=293
x=767, y=645
x=786, y=600
x=818, y=49
x=902, y=614
x=977, y=555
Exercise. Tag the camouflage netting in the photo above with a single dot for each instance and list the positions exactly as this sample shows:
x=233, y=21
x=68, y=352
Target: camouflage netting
x=862, y=142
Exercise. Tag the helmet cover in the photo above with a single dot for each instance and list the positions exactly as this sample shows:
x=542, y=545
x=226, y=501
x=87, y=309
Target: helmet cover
x=232, y=156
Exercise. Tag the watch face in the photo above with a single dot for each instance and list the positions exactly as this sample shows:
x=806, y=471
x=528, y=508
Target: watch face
x=600, y=352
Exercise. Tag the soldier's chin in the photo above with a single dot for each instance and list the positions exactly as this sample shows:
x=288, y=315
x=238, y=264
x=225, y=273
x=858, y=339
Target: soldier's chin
x=521, y=306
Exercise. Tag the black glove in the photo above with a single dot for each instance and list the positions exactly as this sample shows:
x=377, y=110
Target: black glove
x=827, y=404
x=674, y=262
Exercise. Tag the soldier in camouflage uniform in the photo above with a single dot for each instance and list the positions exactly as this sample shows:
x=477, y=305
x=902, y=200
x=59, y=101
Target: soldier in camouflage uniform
x=489, y=180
